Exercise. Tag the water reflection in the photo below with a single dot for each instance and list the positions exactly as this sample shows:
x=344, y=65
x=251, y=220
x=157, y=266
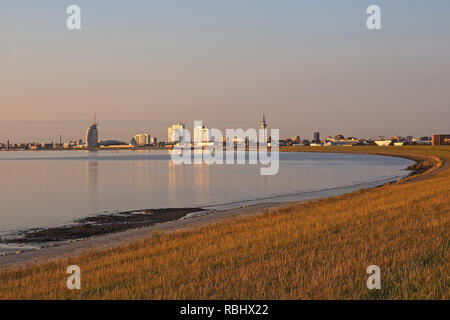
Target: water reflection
x=176, y=183
x=92, y=178
x=202, y=182
x=60, y=187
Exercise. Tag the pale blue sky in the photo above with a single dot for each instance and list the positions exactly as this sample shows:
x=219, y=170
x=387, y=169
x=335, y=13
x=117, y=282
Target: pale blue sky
x=142, y=65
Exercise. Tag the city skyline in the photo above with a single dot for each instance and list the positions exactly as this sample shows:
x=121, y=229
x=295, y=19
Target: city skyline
x=166, y=138
x=310, y=67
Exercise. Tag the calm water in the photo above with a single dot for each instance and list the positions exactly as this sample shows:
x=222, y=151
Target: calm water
x=51, y=188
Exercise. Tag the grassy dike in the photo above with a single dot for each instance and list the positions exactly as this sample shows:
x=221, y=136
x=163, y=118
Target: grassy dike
x=318, y=249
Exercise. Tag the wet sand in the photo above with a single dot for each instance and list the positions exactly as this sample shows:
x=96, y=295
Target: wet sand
x=100, y=225
x=76, y=247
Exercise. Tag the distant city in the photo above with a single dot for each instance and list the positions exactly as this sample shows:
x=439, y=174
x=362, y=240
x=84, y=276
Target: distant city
x=202, y=135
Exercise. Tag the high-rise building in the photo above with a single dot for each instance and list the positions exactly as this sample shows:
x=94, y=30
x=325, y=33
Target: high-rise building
x=316, y=137
x=92, y=135
x=175, y=132
x=142, y=139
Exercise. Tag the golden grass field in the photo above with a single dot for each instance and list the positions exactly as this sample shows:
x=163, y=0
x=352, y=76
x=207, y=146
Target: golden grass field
x=319, y=249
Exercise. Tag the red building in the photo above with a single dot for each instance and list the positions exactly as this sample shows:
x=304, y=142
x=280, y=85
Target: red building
x=440, y=139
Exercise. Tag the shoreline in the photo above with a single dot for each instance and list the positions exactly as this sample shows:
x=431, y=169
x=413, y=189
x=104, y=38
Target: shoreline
x=424, y=165
x=103, y=224
x=113, y=240
x=97, y=225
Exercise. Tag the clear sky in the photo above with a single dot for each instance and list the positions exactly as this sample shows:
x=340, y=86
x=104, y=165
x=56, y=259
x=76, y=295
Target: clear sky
x=142, y=65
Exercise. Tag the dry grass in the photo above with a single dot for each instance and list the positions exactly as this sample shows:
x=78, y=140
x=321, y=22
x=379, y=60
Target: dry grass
x=317, y=250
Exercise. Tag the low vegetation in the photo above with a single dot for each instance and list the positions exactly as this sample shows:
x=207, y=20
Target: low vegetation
x=319, y=249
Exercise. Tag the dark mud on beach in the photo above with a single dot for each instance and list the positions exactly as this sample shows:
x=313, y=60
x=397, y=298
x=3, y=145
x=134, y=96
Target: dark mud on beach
x=101, y=224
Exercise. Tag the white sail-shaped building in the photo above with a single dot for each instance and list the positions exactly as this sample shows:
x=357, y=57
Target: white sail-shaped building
x=92, y=135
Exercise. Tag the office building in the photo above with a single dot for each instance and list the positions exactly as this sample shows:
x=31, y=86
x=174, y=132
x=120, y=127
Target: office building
x=175, y=133
x=440, y=139
x=316, y=138
x=141, y=139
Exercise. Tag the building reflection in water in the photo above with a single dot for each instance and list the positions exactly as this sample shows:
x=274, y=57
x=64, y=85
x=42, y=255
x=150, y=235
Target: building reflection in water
x=202, y=183
x=144, y=177
x=92, y=173
x=176, y=183
x=188, y=185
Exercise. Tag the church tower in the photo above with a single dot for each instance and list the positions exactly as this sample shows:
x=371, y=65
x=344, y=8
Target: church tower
x=264, y=127
x=263, y=123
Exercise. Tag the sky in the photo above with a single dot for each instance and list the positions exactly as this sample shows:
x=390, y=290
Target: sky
x=310, y=65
